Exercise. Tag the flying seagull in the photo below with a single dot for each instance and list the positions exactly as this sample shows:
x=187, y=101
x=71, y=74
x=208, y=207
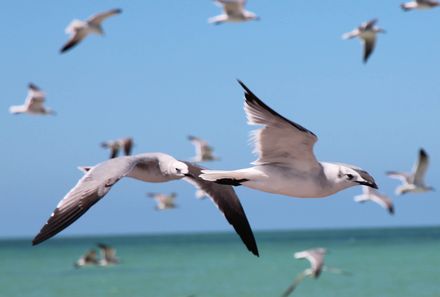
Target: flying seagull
x=367, y=33
x=203, y=150
x=89, y=258
x=286, y=163
x=369, y=194
x=233, y=11
x=125, y=144
x=108, y=255
x=147, y=167
x=164, y=201
x=419, y=4
x=79, y=29
x=316, y=259
x=413, y=182
x=34, y=103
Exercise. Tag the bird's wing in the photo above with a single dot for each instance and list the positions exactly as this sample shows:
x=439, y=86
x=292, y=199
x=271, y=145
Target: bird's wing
x=368, y=24
x=225, y=198
x=351, y=34
x=74, y=39
x=90, y=189
x=233, y=7
x=402, y=176
x=35, y=98
x=199, y=144
x=369, y=45
x=300, y=277
x=114, y=151
x=280, y=141
x=383, y=201
x=127, y=145
x=361, y=198
x=420, y=168
x=98, y=18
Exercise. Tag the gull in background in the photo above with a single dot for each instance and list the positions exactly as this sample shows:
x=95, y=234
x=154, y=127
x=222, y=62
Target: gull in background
x=369, y=194
x=203, y=150
x=316, y=259
x=419, y=4
x=286, y=163
x=164, y=201
x=34, y=103
x=147, y=167
x=79, y=29
x=367, y=34
x=108, y=255
x=413, y=182
x=89, y=258
x=233, y=11
x=115, y=145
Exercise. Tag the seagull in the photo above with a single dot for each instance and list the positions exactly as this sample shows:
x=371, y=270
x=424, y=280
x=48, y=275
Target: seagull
x=115, y=145
x=163, y=201
x=79, y=29
x=419, y=4
x=108, y=255
x=316, y=259
x=203, y=150
x=34, y=103
x=413, y=182
x=88, y=258
x=286, y=163
x=147, y=167
x=367, y=33
x=233, y=12
x=369, y=194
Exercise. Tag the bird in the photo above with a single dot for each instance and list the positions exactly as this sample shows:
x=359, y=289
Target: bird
x=369, y=194
x=419, y=4
x=164, y=201
x=115, y=145
x=108, y=255
x=286, y=163
x=367, y=33
x=413, y=182
x=79, y=29
x=233, y=11
x=203, y=150
x=148, y=167
x=34, y=103
x=89, y=258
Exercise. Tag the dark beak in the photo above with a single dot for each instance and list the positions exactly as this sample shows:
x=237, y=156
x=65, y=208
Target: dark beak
x=368, y=184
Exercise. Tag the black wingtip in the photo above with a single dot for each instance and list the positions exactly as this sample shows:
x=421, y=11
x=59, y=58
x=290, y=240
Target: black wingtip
x=244, y=86
x=391, y=210
x=422, y=152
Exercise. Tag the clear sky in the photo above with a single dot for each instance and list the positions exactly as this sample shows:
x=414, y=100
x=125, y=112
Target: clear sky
x=161, y=72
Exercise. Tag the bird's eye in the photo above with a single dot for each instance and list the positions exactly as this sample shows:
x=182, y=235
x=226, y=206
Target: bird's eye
x=350, y=176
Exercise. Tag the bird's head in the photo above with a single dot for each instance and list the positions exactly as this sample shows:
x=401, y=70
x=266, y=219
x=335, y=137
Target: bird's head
x=349, y=176
x=179, y=168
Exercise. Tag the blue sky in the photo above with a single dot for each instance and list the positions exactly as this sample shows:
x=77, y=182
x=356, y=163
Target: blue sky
x=161, y=73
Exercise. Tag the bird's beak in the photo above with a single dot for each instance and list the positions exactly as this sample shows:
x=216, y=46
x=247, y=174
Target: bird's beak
x=368, y=184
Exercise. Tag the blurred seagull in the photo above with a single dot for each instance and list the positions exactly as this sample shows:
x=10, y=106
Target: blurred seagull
x=108, y=255
x=286, y=163
x=203, y=150
x=367, y=33
x=413, y=182
x=316, y=259
x=419, y=4
x=369, y=194
x=115, y=145
x=163, y=201
x=89, y=258
x=233, y=12
x=34, y=103
x=147, y=167
x=79, y=30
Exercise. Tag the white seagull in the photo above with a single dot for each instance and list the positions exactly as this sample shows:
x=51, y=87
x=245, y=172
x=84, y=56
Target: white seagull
x=79, y=29
x=286, y=163
x=108, y=255
x=234, y=11
x=367, y=33
x=34, y=103
x=369, y=194
x=413, y=182
x=89, y=258
x=419, y=4
x=147, y=167
x=316, y=259
x=164, y=201
x=115, y=145
x=203, y=150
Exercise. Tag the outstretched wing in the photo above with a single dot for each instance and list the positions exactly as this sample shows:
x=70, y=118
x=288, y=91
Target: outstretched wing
x=90, y=189
x=98, y=18
x=369, y=45
x=420, y=168
x=225, y=198
x=233, y=7
x=74, y=39
x=294, y=284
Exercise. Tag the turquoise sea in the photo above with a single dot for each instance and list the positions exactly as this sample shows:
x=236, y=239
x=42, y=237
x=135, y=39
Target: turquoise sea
x=402, y=262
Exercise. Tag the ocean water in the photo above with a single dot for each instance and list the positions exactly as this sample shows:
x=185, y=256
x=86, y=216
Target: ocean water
x=382, y=262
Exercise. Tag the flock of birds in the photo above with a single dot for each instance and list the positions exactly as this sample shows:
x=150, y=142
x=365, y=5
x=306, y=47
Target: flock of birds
x=286, y=162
